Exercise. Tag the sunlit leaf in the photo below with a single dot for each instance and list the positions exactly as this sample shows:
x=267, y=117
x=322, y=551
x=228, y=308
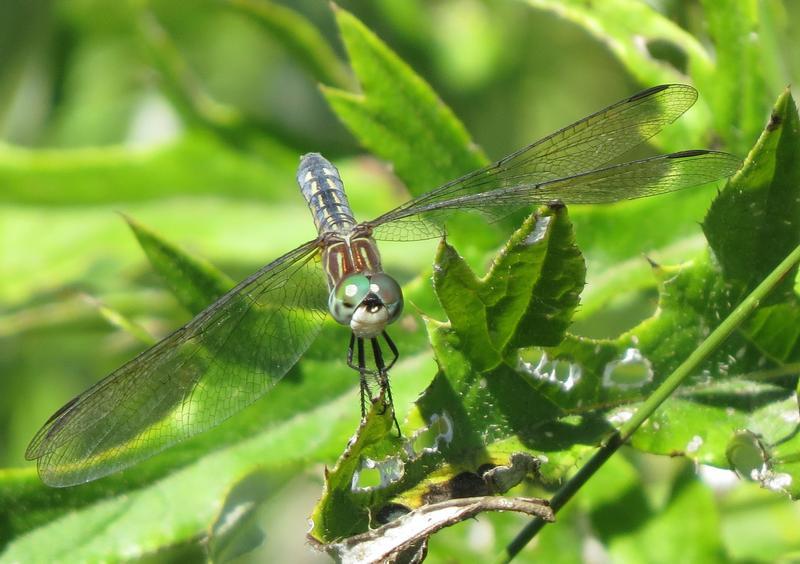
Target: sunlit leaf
x=479, y=414
x=397, y=113
x=196, y=283
x=749, y=383
x=119, y=174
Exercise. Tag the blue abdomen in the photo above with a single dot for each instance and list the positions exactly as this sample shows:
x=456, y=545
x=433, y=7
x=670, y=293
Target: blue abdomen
x=323, y=190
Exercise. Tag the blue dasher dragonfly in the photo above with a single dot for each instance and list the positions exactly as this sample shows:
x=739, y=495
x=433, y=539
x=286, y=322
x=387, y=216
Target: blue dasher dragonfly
x=205, y=372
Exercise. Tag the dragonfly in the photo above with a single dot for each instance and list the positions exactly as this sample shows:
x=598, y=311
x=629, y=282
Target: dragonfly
x=240, y=346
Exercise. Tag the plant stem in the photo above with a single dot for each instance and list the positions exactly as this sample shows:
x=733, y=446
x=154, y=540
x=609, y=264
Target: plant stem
x=621, y=435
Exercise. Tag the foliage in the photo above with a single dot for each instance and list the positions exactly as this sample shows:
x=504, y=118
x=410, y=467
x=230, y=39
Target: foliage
x=495, y=367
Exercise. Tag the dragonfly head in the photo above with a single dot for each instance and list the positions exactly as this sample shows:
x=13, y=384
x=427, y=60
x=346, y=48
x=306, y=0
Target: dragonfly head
x=366, y=302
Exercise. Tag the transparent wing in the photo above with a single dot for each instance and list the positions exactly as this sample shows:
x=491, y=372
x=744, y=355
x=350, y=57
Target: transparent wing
x=627, y=181
x=578, y=148
x=636, y=179
x=218, y=363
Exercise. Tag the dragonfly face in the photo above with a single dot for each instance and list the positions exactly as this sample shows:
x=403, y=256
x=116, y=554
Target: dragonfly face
x=367, y=303
x=240, y=346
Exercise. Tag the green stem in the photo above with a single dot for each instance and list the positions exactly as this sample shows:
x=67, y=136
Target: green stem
x=665, y=390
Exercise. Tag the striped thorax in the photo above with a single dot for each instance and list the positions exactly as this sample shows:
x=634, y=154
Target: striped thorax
x=361, y=294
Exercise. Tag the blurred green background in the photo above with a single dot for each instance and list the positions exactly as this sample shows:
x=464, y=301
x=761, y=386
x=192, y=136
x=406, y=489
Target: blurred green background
x=190, y=116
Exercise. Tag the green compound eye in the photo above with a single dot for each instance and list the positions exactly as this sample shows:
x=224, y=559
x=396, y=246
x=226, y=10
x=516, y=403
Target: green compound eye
x=389, y=292
x=347, y=296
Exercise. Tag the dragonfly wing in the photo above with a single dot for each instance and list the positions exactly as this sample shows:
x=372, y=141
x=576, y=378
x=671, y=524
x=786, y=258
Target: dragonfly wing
x=635, y=179
x=218, y=363
x=627, y=181
x=581, y=147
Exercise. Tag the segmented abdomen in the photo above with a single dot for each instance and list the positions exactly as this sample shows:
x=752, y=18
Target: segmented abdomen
x=323, y=190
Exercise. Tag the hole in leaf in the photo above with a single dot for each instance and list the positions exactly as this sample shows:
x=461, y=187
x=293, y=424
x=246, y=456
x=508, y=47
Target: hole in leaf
x=428, y=439
x=373, y=475
x=749, y=458
x=629, y=371
x=562, y=373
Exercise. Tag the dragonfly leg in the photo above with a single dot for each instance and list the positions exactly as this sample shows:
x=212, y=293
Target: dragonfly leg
x=361, y=368
x=350, y=352
x=366, y=394
x=383, y=378
x=393, y=348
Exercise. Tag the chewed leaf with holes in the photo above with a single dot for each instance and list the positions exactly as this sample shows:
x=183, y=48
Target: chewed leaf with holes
x=497, y=395
x=342, y=511
x=460, y=442
x=740, y=410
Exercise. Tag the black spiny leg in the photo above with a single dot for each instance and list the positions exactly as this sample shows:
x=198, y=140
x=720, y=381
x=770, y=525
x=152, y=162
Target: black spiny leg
x=393, y=348
x=350, y=352
x=383, y=378
x=356, y=368
x=361, y=368
x=362, y=374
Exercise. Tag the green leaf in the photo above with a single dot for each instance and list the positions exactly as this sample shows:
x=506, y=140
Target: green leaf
x=526, y=299
x=685, y=528
x=117, y=319
x=189, y=482
x=338, y=514
x=398, y=117
x=629, y=28
x=88, y=249
x=308, y=46
x=752, y=225
x=479, y=413
x=655, y=50
x=555, y=296
x=747, y=384
x=235, y=531
x=741, y=86
x=460, y=293
x=193, y=281
x=397, y=114
x=187, y=501
x=225, y=454
x=118, y=174
x=754, y=525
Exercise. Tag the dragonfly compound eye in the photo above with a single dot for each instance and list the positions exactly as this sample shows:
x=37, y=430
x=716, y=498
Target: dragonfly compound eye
x=389, y=292
x=347, y=296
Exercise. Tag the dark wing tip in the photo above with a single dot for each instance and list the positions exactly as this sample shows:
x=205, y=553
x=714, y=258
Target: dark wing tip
x=725, y=164
x=649, y=91
x=688, y=153
x=687, y=90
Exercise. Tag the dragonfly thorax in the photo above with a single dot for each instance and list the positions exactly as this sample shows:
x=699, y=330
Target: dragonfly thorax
x=366, y=302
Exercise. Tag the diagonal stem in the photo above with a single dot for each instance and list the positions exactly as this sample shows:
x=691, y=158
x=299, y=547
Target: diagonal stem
x=664, y=391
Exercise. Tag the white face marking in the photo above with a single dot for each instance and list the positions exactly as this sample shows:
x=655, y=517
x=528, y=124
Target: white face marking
x=308, y=176
x=350, y=290
x=368, y=325
x=374, y=288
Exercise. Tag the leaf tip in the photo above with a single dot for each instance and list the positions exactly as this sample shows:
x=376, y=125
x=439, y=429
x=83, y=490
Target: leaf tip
x=652, y=262
x=128, y=219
